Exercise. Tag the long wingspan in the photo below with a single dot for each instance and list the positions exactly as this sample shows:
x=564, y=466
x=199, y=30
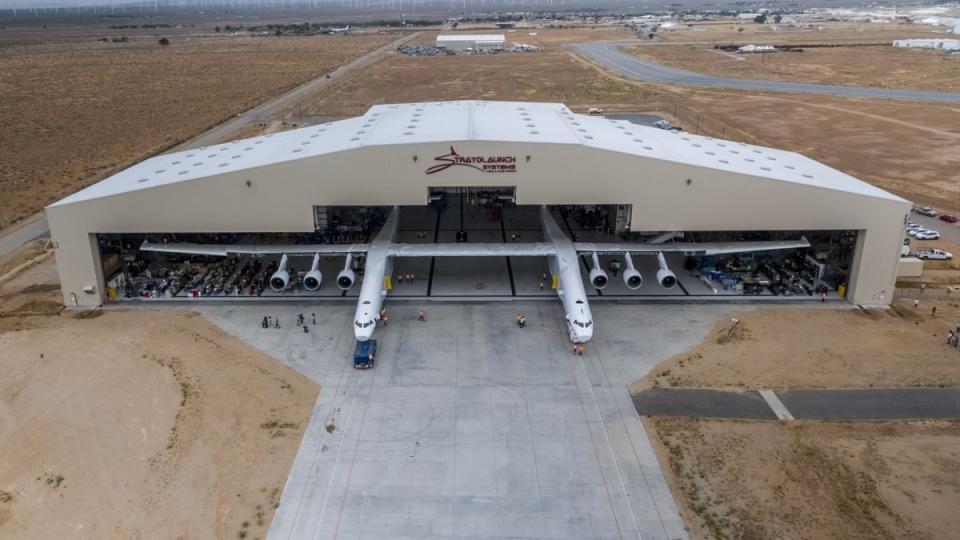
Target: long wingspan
x=222, y=250
x=690, y=248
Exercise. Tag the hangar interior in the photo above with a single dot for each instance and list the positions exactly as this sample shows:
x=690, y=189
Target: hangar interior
x=475, y=214
x=479, y=171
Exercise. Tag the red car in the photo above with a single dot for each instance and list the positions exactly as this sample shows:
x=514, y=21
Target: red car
x=949, y=218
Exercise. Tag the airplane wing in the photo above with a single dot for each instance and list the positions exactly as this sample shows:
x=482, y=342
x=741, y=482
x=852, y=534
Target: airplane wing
x=223, y=250
x=690, y=248
x=481, y=249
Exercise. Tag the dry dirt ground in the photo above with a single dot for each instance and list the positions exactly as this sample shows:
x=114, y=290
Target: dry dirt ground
x=72, y=115
x=820, y=348
x=138, y=424
x=760, y=480
x=879, y=66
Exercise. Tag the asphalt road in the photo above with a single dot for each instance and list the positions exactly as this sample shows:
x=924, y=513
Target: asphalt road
x=610, y=55
x=38, y=227
x=847, y=404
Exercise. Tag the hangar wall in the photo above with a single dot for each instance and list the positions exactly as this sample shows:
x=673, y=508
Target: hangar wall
x=280, y=198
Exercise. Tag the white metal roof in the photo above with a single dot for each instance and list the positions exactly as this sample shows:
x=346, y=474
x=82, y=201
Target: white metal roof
x=471, y=37
x=493, y=121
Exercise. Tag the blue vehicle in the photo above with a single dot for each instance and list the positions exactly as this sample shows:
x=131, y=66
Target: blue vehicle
x=365, y=355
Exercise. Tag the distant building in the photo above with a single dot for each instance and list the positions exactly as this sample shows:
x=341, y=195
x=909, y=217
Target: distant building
x=503, y=25
x=948, y=45
x=471, y=42
x=757, y=49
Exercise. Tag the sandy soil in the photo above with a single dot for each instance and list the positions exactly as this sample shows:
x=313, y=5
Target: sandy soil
x=138, y=424
x=126, y=101
x=883, y=67
x=820, y=348
x=876, y=480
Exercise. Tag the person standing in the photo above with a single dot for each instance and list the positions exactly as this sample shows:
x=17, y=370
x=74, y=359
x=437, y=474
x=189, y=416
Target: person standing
x=420, y=316
x=314, y=315
x=580, y=349
x=541, y=286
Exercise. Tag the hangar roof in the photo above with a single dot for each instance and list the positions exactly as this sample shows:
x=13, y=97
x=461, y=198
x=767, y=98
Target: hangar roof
x=488, y=121
x=471, y=37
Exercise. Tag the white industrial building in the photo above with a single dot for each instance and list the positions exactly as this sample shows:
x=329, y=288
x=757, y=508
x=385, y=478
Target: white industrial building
x=532, y=154
x=947, y=45
x=471, y=42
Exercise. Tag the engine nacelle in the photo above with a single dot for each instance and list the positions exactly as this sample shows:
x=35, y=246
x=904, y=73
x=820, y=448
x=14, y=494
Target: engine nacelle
x=280, y=278
x=347, y=277
x=665, y=277
x=314, y=278
x=631, y=277
x=598, y=278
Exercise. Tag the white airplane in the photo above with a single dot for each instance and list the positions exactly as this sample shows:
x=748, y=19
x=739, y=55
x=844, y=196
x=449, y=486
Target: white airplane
x=561, y=252
x=342, y=30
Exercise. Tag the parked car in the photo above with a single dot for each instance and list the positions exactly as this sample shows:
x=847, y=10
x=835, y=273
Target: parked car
x=925, y=211
x=913, y=232
x=594, y=110
x=949, y=218
x=927, y=235
x=913, y=226
x=934, y=254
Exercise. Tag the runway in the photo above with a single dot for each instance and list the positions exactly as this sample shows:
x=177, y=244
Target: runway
x=610, y=56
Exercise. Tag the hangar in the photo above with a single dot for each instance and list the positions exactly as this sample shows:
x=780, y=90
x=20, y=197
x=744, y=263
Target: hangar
x=478, y=172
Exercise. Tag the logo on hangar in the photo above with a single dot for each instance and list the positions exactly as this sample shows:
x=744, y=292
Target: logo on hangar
x=485, y=164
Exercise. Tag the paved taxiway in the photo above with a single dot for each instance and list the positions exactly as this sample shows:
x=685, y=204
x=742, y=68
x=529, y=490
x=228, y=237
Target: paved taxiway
x=471, y=427
x=610, y=55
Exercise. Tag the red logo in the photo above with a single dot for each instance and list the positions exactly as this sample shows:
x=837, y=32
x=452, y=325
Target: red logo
x=486, y=164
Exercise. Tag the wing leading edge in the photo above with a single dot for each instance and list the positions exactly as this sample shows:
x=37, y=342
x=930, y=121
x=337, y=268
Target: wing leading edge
x=223, y=250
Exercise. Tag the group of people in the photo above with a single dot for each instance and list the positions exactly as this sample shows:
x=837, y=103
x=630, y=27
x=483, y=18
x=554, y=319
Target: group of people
x=521, y=320
x=274, y=322
x=577, y=347
x=409, y=278
x=953, y=336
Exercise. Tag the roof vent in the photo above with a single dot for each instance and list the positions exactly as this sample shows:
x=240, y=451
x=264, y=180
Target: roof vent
x=225, y=148
x=791, y=167
x=247, y=149
x=734, y=151
x=355, y=139
x=212, y=156
x=223, y=164
x=142, y=180
x=709, y=153
x=647, y=148
x=697, y=145
x=807, y=176
x=588, y=137
x=158, y=171
x=764, y=168
x=408, y=133
x=295, y=150
x=751, y=160
x=304, y=143
x=258, y=142
x=314, y=136
x=189, y=155
x=755, y=151
x=182, y=172
x=638, y=140
x=197, y=164
x=537, y=133
x=724, y=161
x=235, y=157
x=176, y=162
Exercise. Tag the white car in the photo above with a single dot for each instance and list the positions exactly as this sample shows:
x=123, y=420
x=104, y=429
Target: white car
x=914, y=232
x=594, y=110
x=925, y=211
x=934, y=254
x=927, y=235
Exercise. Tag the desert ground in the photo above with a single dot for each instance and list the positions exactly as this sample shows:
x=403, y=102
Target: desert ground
x=137, y=424
x=821, y=348
x=880, y=66
x=807, y=479
x=74, y=113
x=757, y=480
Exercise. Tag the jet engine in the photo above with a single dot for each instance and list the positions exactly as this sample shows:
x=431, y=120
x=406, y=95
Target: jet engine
x=280, y=278
x=665, y=277
x=631, y=278
x=314, y=278
x=346, y=277
x=598, y=278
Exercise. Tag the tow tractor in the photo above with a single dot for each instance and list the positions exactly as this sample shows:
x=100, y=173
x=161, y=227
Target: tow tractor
x=365, y=355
